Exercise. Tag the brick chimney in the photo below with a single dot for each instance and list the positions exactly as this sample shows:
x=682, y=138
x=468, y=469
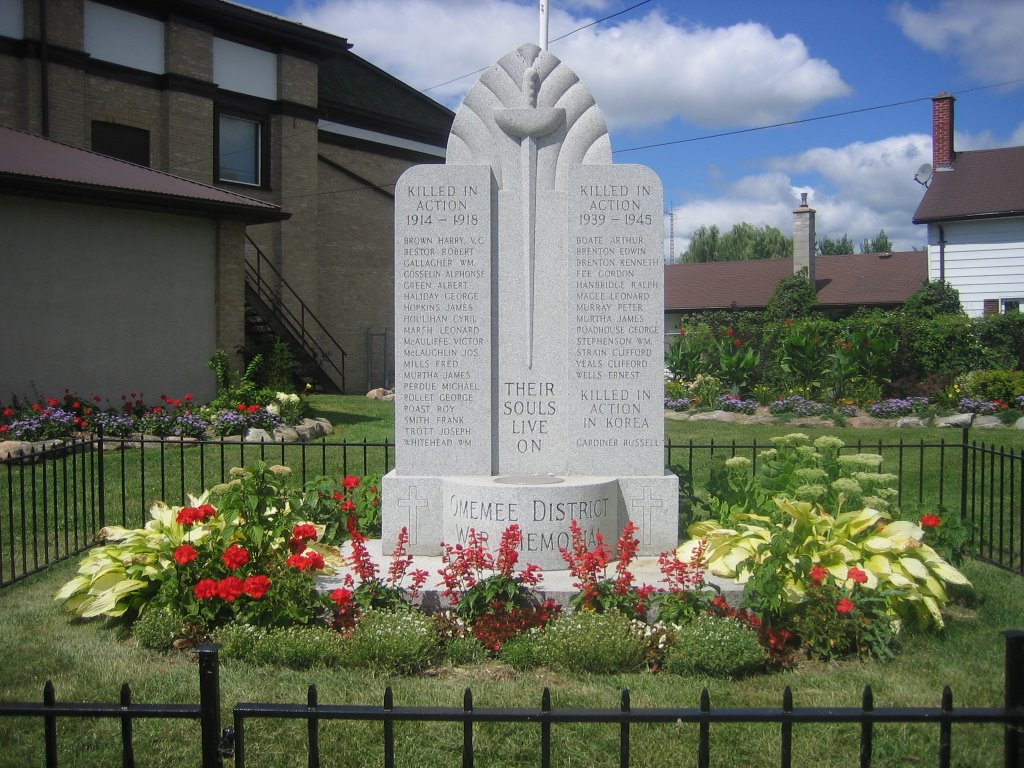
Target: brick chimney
x=803, y=238
x=942, y=130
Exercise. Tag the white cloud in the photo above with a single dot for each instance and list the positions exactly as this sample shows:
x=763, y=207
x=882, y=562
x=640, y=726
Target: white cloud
x=856, y=190
x=642, y=71
x=983, y=34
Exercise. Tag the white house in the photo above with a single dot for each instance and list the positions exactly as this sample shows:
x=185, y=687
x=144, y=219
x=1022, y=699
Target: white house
x=974, y=209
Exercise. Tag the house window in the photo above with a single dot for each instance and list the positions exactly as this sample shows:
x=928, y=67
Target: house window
x=990, y=307
x=121, y=141
x=240, y=150
x=1012, y=305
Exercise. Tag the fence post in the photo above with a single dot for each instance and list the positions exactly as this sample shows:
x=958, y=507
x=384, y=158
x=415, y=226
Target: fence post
x=964, y=454
x=101, y=478
x=209, y=703
x=1013, y=739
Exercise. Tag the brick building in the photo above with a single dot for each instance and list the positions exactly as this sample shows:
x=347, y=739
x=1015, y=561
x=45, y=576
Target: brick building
x=242, y=100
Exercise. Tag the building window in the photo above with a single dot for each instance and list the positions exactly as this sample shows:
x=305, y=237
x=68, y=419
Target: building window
x=1012, y=305
x=121, y=141
x=990, y=307
x=240, y=150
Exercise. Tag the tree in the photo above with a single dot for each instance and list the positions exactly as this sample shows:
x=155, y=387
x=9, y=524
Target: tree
x=880, y=243
x=839, y=247
x=743, y=242
x=934, y=298
x=794, y=297
x=703, y=246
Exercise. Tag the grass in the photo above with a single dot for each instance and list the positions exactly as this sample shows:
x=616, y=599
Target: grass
x=69, y=491
x=89, y=660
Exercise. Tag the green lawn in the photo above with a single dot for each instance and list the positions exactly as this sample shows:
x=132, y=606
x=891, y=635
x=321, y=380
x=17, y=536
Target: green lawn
x=88, y=661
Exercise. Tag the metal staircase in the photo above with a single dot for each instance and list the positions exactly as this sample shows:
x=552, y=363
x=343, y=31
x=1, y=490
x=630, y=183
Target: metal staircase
x=273, y=307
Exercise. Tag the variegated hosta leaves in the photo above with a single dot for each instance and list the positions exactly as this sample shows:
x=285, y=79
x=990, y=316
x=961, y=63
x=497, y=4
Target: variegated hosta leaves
x=890, y=552
x=124, y=572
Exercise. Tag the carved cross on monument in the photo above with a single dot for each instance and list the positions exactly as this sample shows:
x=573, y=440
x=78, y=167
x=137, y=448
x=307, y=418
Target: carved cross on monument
x=412, y=505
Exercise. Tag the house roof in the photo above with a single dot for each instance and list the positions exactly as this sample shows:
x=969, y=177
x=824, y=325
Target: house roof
x=859, y=279
x=36, y=166
x=358, y=93
x=980, y=184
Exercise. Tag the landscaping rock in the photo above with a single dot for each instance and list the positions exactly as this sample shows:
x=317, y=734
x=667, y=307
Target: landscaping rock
x=724, y=416
x=959, y=420
x=14, y=449
x=911, y=422
x=760, y=418
x=986, y=422
x=864, y=421
x=1019, y=423
x=379, y=393
x=685, y=416
x=811, y=421
x=309, y=429
x=327, y=426
x=258, y=436
x=285, y=434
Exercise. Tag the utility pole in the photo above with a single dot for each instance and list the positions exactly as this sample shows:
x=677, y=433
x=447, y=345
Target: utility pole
x=671, y=232
x=543, y=25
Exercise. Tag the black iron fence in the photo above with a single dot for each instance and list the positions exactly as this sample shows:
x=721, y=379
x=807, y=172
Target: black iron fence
x=53, y=501
x=229, y=744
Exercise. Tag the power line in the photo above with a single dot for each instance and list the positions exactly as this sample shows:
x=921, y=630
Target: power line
x=561, y=37
x=809, y=119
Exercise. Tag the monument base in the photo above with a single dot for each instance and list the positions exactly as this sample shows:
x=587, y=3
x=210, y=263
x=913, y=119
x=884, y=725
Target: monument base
x=444, y=509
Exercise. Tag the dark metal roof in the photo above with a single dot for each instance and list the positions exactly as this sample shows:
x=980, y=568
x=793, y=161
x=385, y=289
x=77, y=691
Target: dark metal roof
x=33, y=165
x=981, y=184
x=246, y=23
x=354, y=91
x=860, y=279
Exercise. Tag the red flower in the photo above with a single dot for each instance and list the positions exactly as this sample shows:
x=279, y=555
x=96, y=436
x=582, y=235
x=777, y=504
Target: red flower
x=37, y=407
x=230, y=588
x=188, y=398
x=4, y=429
x=730, y=332
x=342, y=597
x=189, y=515
x=738, y=342
x=241, y=408
x=845, y=605
x=857, y=575
x=350, y=482
x=253, y=408
x=235, y=557
x=348, y=505
x=304, y=532
x=300, y=561
x=52, y=403
x=818, y=574
x=256, y=586
x=930, y=521
x=316, y=560
x=205, y=589
x=185, y=554
x=8, y=411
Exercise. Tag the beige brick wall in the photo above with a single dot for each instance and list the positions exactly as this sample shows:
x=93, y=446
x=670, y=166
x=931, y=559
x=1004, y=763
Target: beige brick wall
x=188, y=51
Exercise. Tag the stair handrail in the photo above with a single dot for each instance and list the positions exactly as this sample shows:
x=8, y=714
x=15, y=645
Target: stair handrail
x=297, y=325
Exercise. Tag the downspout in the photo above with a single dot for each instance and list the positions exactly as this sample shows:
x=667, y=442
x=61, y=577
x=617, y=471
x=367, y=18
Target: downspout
x=44, y=66
x=942, y=254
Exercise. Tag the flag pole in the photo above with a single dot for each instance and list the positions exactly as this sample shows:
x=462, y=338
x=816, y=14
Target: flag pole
x=543, y=25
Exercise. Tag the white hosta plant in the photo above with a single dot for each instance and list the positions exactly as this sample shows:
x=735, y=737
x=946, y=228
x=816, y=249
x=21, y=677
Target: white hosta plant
x=890, y=552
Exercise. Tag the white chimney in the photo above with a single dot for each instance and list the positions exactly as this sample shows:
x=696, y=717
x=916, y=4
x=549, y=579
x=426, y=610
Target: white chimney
x=803, y=238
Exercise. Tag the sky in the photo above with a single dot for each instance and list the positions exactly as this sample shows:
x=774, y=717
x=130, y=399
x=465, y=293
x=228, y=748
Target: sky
x=672, y=76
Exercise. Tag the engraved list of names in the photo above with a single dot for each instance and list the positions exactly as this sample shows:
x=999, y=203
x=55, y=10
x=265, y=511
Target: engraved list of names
x=443, y=320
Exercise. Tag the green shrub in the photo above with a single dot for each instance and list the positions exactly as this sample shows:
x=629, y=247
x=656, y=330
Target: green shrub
x=1003, y=334
x=942, y=344
x=993, y=385
x=463, y=651
x=598, y=643
x=521, y=652
x=793, y=297
x=716, y=646
x=393, y=641
x=158, y=628
x=293, y=647
x=934, y=298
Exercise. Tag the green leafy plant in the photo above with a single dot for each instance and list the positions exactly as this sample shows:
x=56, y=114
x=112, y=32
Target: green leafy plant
x=692, y=353
x=772, y=558
x=393, y=641
x=736, y=361
x=596, y=643
x=715, y=646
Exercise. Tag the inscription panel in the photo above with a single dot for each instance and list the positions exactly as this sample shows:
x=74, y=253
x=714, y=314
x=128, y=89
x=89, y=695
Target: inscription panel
x=443, y=320
x=616, y=320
